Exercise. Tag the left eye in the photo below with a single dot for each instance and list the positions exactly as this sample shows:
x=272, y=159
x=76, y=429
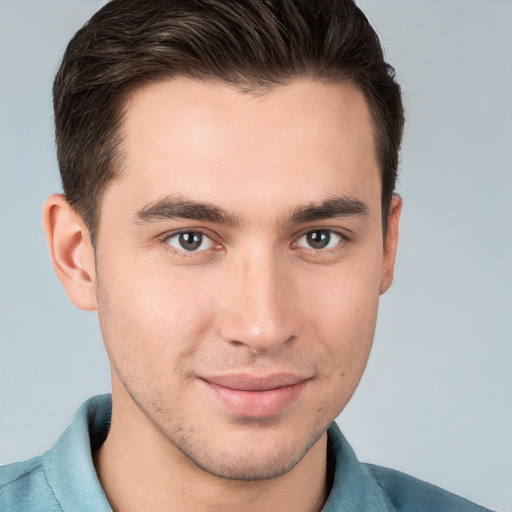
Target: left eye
x=319, y=239
x=190, y=241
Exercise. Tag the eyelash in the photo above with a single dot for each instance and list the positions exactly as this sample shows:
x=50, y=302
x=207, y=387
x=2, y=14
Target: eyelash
x=343, y=241
x=164, y=240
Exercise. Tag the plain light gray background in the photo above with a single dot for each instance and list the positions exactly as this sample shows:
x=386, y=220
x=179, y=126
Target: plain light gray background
x=436, y=400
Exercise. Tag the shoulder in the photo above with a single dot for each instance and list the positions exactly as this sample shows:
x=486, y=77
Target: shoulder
x=24, y=486
x=408, y=494
x=370, y=488
x=63, y=477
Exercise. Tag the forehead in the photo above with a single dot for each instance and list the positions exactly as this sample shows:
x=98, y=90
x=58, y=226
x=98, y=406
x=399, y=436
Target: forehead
x=211, y=142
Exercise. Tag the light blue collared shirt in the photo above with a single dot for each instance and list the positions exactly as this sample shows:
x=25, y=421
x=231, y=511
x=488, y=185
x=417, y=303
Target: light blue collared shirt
x=63, y=479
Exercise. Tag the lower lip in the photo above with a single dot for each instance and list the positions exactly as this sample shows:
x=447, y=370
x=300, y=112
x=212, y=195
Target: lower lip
x=257, y=404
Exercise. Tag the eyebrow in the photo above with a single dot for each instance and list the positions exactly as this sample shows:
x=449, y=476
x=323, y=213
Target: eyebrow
x=178, y=207
x=343, y=206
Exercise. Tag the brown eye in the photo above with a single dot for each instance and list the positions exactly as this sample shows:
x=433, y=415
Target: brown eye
x=319, y=239
x=190, y=241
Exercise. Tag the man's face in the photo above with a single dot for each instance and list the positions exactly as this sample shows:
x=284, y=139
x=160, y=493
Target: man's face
x=239, y=265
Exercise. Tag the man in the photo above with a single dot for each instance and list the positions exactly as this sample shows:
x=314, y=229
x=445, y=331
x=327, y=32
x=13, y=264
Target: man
x=229, y=170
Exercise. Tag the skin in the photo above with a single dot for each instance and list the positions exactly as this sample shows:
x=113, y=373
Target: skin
x=256, y=299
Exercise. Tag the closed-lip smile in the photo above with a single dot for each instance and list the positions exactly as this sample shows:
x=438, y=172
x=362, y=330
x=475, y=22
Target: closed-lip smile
x=256, y=396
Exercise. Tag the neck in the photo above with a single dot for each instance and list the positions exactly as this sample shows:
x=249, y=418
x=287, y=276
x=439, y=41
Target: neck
x=139, y=469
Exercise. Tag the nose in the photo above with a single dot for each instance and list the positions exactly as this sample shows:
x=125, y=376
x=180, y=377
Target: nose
x=258, y=309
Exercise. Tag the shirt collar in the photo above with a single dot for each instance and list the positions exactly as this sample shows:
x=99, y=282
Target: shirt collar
x=68, y=464
x=354, y=488
x=70, y=469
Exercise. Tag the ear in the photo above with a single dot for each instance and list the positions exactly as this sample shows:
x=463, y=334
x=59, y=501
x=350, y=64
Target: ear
x=390, y=243
x=71, y=251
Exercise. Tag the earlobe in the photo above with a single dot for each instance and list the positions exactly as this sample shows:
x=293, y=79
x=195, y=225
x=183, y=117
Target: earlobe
x=71, y=251
x=390, y=243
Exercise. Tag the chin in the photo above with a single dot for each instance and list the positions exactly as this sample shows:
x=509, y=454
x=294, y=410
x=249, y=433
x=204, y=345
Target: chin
x=252, y=458
x=248, y=467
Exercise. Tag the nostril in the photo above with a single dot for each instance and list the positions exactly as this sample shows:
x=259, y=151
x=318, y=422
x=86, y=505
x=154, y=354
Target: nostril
x=237, y=343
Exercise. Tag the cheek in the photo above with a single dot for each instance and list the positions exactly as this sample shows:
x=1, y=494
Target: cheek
x=152, y=319
x=346, y=330
x=342, y=314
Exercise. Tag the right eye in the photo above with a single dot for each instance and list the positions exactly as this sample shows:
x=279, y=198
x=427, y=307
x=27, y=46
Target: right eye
x=190, y=241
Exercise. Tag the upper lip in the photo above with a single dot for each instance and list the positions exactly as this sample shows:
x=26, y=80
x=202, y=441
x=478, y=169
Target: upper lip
x=246, y=382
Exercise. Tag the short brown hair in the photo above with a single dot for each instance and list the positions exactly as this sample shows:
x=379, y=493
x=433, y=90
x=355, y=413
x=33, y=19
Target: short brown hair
x=250, y=44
